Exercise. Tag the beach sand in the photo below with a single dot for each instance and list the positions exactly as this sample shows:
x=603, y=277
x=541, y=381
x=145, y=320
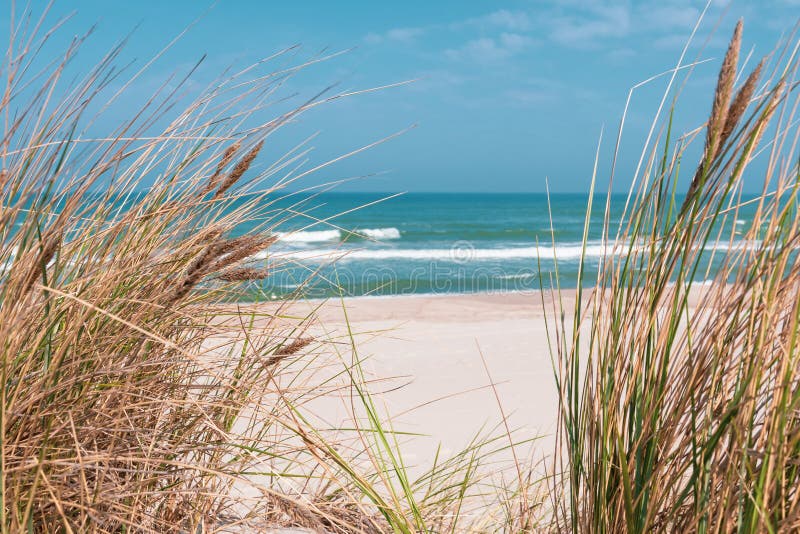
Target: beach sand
x=441, y=369
x=429, y=357
x=434, y=358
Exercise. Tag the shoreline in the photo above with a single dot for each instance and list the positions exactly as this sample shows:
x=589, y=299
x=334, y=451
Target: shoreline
x=428, y=357
x=568, y=291
x=278, y=299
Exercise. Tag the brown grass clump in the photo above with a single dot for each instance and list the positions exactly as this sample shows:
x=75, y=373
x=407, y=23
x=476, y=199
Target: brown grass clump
x=135, y=397
x=679, y=401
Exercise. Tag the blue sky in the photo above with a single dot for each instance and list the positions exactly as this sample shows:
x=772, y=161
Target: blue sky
x=509, y=93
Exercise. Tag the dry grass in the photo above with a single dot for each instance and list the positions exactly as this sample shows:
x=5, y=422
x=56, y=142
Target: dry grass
x=135, y=397
x=116, y=412
x=132, y=402
x=676, y=418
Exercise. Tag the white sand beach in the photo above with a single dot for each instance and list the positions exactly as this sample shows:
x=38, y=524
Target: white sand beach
x=434, y=358
x=428, y=353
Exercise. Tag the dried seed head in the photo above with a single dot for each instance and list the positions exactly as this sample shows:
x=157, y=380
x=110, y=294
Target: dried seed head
x=769, y=111
x=718, y=120
x=287, y=350
x=239, y=169
x=243, y=274
x=722, y=96
x=49, y=246
x=217, y=256
x=226, y=158
x=198, y=268
x=740, y=102
x=294, y=347
x=235, y=250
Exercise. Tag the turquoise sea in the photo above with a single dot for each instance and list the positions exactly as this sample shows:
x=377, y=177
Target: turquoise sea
x=358, y=244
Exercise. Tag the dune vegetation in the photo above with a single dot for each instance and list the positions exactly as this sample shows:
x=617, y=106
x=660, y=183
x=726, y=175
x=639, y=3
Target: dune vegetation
x=678, y=417
x=138, y=396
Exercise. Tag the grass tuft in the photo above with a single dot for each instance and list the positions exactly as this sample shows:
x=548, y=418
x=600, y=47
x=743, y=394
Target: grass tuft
x=679, y=378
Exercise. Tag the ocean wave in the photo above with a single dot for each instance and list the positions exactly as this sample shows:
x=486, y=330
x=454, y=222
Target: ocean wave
x=458, y=254
x=316, y=236
x=380, y=233
x=564, y=252
x=319, y=236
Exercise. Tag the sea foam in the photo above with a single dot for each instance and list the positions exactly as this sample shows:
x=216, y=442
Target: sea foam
x=380, y=233
x=316, y=236
x=319, y=236
x=564, y=252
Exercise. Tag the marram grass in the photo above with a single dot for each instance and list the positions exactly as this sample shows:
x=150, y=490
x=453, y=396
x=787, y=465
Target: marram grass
x=137, y=399
x=679, y=402
x=134, y=399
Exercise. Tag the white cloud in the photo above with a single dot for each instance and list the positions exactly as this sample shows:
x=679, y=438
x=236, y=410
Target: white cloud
x=608, y=25
x=488, y=49
x=670, y=17
x=511, y=20
x=483, y=49
x=584, y=31
x=595, y=23
x=537, y=91
x=515, y=42
x=398, y=35
x=404, y=35
x=504, y=19
x=620, y=55
x=373, y=38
